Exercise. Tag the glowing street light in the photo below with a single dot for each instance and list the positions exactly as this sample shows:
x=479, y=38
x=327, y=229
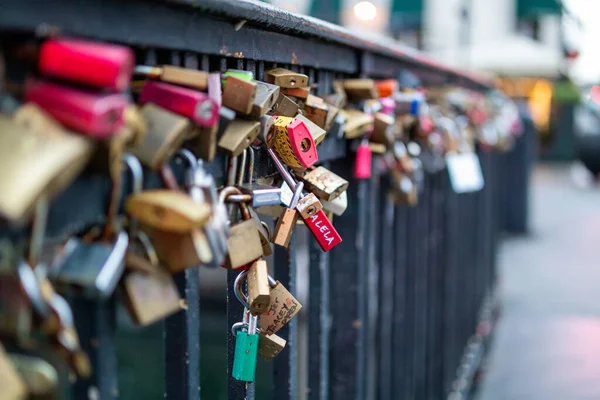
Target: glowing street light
x=365, y=11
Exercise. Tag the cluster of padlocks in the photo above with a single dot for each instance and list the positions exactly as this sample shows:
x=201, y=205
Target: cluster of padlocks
x=90, y=106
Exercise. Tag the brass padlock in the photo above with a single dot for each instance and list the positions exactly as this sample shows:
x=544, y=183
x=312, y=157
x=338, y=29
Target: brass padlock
x=285, y=107
x=286, y=78
x=243, y=244
x=337, y=100
x=37, y=163
x=357, y=123
x=177, y=75
x=269, y=346
x=283, y=306
x=360, y=89
x=13, y=387
x=259, y=290
x=308, y=206
x=238, y=136
x=324, y=183
x=33, y=117
x=316, y=132
x=205, y=143
x=167, y=210
x=266, y=98
x=166, y=133
x=39, y=376
x=239, y=94
x=316, y=110
x=301, y=93
x=382, y=129
x=285, y=227
x=263, y=232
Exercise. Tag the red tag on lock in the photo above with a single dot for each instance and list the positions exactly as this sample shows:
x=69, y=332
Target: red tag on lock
x=362, y=168
x=322, y=229
x=95, y=115
x=100, y=65
x=189, y=103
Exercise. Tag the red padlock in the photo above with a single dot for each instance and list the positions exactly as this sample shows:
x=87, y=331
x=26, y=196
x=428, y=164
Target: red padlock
x=293, y=143
x=99, y=65
x=322, y=229
x=96, y=115
x=189, y=103
x=362, y=168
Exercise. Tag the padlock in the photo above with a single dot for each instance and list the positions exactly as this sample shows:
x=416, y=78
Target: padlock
x=150, y=295
x=167, y=210
x=360, y=89
x=243, y=244
x=316, y=132
x=205, y=143
x=94, y=267
x=408, y=103
x=238, y=136
x=37, y=163
x=318, y=224
x=357, y=123
x=337, y=100
x=100, y=65
x=283, y=306
x=95, y=115
x=363, y=163
x=387, y=87
x=189, y=103
x=33, y=118
x=202, y=188
x=246, y=350
x=377, y=148
x=293, y=143
x=239, y=94
x=316, y=110
x=308, y=206
x=282, y=235
x=13, y=386
x=336, y=206
x=259, y=290
x=382, y=129
x=166, y=133
x=269, y=346
x=266, y=130
x=266, y=98
x=262, y=195
x=286, y=78
x=238, y=73
x=324, y=183
x=301, y=93
x=177, y=75
x=285, y=107
x=40, y=378
x=263, y=231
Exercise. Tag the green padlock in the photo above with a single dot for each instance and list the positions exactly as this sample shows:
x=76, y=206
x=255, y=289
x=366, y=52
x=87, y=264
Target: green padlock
x=238, y=73
x=246, y=350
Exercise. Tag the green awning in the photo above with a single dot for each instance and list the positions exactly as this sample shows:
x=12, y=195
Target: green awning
x=407, y=7
x=529, y=8
x=327, y=10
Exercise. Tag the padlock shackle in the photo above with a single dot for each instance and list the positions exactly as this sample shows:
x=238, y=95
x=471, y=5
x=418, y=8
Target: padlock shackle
x=237, y=289
x=137, y=178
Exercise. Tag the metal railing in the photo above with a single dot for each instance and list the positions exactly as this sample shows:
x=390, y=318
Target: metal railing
x=387, y=314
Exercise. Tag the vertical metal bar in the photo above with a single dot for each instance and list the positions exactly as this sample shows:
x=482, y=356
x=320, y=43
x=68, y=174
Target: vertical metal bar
x=421, y=293
x=95, y=321
x=285, y=371
x=236, y=390
x=260, y=72
x=432, y=293
x=182, y=341
x=387, y=301
x=347, y=293
x=401, y=325
x=411, y=246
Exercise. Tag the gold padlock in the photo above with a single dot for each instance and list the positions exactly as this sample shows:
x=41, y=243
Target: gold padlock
x=269, y=346
x=298, y=92
x=360, y=89
x=166, y=133
x=266, y=98
x=324, y=183
x=36, y=164
x=177, y=75
x=283, y=306
x=382, y=129
x=308, y=206
x=285, y=227
x=238, y=136
x=259, y=290
x=357, y=123
x=286, y=78
x=13, y=387
x=316, y=110
x=285, y=107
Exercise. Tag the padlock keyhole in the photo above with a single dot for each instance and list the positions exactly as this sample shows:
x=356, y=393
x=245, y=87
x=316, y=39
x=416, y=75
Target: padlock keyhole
x=305, y=145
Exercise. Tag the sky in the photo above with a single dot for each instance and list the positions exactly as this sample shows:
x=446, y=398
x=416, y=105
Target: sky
x=586, y=38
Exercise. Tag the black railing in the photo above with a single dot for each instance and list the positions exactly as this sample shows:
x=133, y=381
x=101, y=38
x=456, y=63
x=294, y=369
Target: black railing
x=388, y=314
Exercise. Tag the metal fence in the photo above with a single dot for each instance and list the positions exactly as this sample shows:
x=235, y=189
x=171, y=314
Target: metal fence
x=391, y=313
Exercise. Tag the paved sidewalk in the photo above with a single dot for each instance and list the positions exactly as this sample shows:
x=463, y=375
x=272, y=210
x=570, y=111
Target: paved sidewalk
x=547, y=345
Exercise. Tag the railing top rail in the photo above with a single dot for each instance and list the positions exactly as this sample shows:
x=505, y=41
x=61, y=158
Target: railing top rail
x=274, y=18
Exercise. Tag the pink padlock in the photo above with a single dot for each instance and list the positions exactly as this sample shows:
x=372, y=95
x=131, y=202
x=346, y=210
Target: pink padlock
x=362, y=168
x=189, y=103
x=100, y=65
x=388, y=105
x=95, y=115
